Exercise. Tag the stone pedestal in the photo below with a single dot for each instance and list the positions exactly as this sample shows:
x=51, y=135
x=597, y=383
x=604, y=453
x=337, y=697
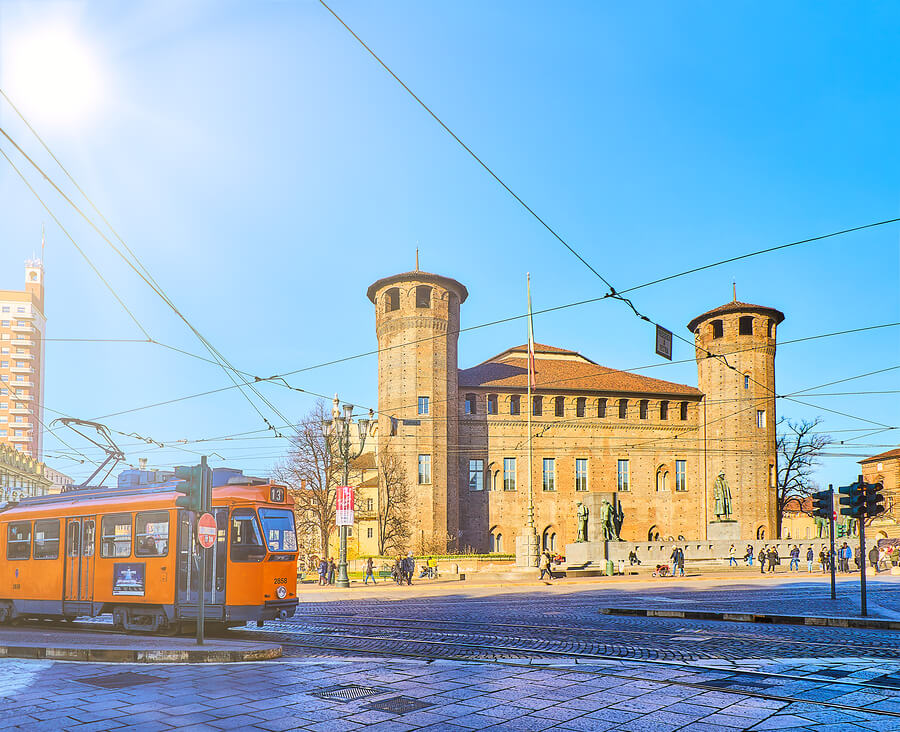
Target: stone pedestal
x=584, y=552
x=723, y=531
x=527, y=550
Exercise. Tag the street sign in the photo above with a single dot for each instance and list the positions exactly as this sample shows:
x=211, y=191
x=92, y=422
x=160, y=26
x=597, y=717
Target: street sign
x=664, y=342
x=344, y=505
x=206, y=530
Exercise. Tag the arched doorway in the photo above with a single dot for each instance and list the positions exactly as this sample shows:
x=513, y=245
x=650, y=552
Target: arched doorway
x=761, y=532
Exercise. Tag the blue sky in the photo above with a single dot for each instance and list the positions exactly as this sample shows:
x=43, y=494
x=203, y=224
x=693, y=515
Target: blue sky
x=267, y=170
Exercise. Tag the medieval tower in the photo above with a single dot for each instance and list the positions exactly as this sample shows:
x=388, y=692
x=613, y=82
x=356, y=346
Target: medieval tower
x=417, y=326
x=735, y=351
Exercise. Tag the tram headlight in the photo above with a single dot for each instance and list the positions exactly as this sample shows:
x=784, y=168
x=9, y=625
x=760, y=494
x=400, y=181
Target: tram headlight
x=281, y=592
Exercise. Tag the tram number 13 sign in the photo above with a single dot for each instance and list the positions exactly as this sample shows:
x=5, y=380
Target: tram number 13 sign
x=206, y=530
x=344, y=505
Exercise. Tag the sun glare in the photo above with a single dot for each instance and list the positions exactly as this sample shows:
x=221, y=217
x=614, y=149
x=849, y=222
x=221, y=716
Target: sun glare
x=52, y=74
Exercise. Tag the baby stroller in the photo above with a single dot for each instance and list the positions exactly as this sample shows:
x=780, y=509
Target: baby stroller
x=662, y=570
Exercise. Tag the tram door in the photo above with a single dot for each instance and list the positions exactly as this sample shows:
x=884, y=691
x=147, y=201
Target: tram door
x=78, y=581
x=189, y=564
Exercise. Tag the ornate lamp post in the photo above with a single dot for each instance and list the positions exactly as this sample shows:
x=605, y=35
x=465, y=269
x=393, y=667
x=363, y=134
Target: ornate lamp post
x=338, y=429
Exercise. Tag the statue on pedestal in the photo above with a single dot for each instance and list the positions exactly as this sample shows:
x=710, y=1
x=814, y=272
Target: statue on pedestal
x=608, y=518
x=821, y=526
x=618, y=520
x=722, y=494
x=581, y=514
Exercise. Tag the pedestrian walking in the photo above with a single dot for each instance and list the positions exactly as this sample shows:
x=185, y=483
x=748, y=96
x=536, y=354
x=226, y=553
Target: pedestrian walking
x=323, y=572
x=370, y=571
x=673, y=558
x=873, y=557
x=331, y=570
x=748, y=557
x=809, y=559
x=732, y=561
x=545, y=566
x=795, y=559
x=410, y=567
x=763, y=558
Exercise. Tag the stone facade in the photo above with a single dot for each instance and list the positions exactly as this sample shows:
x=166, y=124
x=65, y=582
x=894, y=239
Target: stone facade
x=657, y=445
x=885, y=469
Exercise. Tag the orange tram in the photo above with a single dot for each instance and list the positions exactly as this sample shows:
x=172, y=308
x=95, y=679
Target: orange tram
x=131, y=552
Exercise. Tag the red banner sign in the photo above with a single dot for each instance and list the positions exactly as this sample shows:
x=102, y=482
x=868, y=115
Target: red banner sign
x=344, y=498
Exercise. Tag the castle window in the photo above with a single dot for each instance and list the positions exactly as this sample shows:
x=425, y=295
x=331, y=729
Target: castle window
x=423, y=405
x=601, y=408
x=645, y=403
x=492, y=404
x=663, y=410
x=683, y=411
x=718, y=329
x=623, y=408
x=662, y=479
x=476, y=475
x=761, y=418
x=581, y=474
x=559, y=406
x=509, y=474
x=424, y=469
x=470, y=404
x=514, y=404
x=392, y=300
x=745, y=325
x=580, y=403
x=622, y=475
x=680, y=475
x=746, y=381
x=537, y=406
x=423, y=296
x=549, y=474
x=771, y=329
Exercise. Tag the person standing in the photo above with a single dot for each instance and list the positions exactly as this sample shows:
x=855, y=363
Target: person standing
x=410, y=567
x=773, y=559
x=370, y=571
x=873, y=557
x=795, y=559
x=732, y=561
x=748, y=557
x=331, y=571
x=763, y=558
x=679, y=561
x=323, y=572
x=809, y=559
x=545, y=566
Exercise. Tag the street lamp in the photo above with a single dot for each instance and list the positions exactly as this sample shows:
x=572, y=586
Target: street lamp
x=338, y=429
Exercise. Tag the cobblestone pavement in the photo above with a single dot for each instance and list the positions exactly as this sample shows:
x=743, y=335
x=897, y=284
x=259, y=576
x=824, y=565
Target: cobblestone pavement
x=659, y=675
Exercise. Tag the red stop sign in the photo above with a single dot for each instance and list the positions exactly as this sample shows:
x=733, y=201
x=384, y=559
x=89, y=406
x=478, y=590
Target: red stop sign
x=206, y=530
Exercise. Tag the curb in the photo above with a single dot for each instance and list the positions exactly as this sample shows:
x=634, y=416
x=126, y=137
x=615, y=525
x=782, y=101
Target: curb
x=127, y=655
x=836, y=622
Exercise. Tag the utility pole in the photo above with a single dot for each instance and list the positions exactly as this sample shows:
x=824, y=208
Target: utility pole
x=831, y=517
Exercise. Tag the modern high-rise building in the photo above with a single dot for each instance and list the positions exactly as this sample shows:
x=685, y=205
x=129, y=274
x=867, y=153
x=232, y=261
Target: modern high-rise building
x=22, y=327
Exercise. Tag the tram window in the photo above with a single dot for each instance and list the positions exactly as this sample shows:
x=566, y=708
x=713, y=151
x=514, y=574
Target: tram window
x=46, y=539
x=18, y=540
x=279, y=527
x=246, y=539
x=73, y=537
x=115, y=535
x=88, y=531
x=151, y=534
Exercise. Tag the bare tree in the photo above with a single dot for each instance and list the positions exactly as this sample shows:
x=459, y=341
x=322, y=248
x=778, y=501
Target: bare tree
x=311, y=474
x=798, y=447
x=393, y=503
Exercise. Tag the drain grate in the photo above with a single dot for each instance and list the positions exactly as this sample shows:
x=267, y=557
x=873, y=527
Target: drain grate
x=398, y=705
x=345, y=692
x=119, y=681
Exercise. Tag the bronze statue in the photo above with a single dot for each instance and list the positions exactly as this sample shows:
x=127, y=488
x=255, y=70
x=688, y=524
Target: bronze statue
x=821, y=526
x=722, y=493
x=608, y=522
x=581, y=514
x=618, y=520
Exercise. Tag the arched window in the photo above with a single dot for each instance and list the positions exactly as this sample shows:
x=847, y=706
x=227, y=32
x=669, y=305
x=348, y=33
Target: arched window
x=470, y=404
x=718, y=329
x=664, y=410
x=392, y=300
x=537, y=408
x=423, y=296
x=770, y=330
x=761, y=532
x=745, y=325
x=662, y=478
x=580, y=403
x=492, y=404
x=601, y=407
x=559, y=406
x=623, y=408
x=548, y=539
x=653, y=534
x=644, y=406
x=514, y=407
x=498, y=543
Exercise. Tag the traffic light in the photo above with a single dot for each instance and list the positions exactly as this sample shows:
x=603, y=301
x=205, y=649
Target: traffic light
x=852, y=500
x=873, y=499
x=192, y=486
x=822, y=504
